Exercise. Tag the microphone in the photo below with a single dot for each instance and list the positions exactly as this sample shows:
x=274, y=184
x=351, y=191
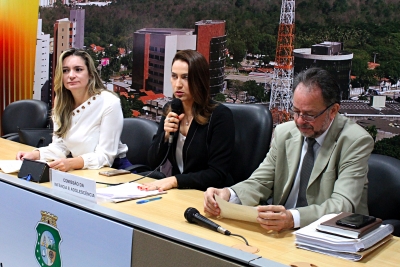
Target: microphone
x=192, y=215
x=176, y=107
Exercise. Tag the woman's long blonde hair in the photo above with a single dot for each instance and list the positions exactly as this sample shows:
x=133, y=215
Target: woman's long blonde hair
x=65, y=104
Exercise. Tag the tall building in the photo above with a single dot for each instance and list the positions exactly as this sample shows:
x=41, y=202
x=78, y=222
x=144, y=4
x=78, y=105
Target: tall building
x=211, y=43
x=69, y=33
x=63, y=37
x=77, y=16
x=153, y=51
x=41, y=89
x=329, y=56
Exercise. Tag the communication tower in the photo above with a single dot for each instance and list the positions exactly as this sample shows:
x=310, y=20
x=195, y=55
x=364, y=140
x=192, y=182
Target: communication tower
x=282, y=81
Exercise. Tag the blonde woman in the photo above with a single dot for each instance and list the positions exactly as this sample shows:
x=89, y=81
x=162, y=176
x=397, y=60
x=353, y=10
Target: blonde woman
x=87, y=119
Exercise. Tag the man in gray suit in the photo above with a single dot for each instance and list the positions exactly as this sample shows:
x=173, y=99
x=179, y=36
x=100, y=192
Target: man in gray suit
x=317, y=163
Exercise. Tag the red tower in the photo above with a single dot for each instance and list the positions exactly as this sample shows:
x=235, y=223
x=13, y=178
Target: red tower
x=281, y=86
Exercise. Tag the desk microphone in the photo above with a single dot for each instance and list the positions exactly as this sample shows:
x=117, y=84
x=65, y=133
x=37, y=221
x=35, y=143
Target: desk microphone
x=192, y=215
x=176, y=107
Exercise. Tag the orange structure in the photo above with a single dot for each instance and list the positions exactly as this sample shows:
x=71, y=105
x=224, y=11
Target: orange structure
x=281, y=86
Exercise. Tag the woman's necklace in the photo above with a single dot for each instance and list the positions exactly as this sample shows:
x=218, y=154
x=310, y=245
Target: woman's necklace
x=188, y=120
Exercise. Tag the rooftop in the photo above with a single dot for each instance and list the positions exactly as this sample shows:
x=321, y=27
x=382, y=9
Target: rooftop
x=360, y=107
x=166, y=31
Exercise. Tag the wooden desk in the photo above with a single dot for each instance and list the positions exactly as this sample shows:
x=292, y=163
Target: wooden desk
x=278, y=247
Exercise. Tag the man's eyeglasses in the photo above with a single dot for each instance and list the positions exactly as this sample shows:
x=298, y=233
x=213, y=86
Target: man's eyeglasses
x=308, y=118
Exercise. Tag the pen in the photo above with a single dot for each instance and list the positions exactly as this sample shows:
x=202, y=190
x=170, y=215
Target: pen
x=147, y=200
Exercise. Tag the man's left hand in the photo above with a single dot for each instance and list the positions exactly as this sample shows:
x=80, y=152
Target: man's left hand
x=274, y=217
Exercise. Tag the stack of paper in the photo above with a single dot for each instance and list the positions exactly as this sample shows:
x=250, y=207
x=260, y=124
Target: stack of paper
x=124, y=192
x=10, y=166
x=347, y=248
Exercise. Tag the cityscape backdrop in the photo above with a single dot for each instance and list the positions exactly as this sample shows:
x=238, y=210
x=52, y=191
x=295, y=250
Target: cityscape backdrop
x=363, y=33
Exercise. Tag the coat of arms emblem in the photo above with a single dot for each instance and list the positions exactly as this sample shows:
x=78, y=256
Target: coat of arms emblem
x=47, y=249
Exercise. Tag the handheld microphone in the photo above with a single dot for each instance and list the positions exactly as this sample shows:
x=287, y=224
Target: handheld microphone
x=192, y=215
x=176, y=107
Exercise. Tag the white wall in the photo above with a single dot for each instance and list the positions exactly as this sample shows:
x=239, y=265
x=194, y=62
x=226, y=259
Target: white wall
x=174, y=43
x=41, y=62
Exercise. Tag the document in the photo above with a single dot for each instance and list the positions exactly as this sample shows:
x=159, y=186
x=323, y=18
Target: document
x=309, y=235
x=236, y=211
x=123, y=192
x=10, y=166
x=353, y=256
x=354, y=249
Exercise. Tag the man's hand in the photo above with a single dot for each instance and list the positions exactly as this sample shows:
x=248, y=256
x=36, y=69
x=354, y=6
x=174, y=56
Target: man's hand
x=210, y=205
x=273, y=217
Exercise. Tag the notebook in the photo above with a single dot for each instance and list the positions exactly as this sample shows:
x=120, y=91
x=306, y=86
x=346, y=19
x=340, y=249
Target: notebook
x=331, y=227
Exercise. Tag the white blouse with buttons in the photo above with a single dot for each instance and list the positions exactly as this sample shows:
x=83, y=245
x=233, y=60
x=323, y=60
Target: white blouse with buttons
x=94, y=134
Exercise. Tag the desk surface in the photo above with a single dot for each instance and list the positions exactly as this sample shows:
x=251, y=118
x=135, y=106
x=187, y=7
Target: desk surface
x=170, y=209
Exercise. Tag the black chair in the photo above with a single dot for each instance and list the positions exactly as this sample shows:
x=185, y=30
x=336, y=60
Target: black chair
x=29, y=113
x=137, y=134
x=253, y=132
x=383, y=189
x=37, y=137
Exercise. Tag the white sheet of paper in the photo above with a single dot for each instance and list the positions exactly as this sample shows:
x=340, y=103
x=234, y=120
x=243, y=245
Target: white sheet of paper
x=124, y=192
x=237, y=212
x=10, y=166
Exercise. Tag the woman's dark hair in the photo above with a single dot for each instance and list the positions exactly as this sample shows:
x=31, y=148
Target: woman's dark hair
x=199, y=84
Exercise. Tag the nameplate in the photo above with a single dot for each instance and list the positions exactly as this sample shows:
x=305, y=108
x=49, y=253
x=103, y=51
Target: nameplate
x=74, y=185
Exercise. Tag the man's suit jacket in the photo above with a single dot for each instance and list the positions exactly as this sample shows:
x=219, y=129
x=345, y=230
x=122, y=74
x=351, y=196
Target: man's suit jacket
x=337, y=183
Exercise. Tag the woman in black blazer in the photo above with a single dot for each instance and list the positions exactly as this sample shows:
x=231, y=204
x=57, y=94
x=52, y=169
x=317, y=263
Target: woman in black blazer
x=203, y=134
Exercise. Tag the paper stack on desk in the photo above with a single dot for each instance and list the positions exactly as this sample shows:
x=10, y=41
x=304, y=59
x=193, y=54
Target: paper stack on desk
x=342, y=247
x=123, y=192
x=10, y=166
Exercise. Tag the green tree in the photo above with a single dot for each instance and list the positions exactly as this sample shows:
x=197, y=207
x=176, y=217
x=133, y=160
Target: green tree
x=220, y=97
x=112, y=53
x=127, y=107
x=372, y=130
x=255, y=90
x=94, y=56
x=106, y=72
x=129, y=104
x=369, y=78
x=238, y=49
x=388, y=146
x=239, y=3
x=235, y=88
x=127, y=61
x=390, y=69
x=340, y=6
x=137, y=105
